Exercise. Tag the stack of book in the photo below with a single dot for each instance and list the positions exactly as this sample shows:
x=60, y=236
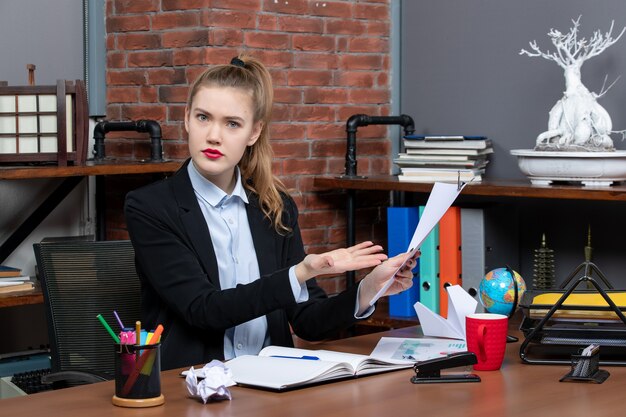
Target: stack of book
x=443, y=158
x=12, y=280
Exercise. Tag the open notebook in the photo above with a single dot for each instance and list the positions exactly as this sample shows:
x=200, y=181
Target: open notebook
x=280, y=368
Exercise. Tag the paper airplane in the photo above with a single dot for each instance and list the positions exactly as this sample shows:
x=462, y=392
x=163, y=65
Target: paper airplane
x=460, y=304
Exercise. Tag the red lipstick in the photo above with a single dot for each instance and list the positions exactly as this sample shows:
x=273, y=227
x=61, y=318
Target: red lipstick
x=212, y=153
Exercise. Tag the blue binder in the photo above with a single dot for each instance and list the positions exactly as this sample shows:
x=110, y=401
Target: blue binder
x=401, y=224
x=429, y=270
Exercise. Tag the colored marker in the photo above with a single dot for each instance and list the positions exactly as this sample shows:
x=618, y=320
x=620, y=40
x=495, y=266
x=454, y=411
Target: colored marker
x=156, y=335
x=119, y=321
x=108, y=328
x=152, y=340
x=138, y=332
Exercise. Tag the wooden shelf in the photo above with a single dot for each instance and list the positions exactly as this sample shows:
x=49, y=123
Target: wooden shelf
x=109, y=167
x=494, y=188
x=34, y=296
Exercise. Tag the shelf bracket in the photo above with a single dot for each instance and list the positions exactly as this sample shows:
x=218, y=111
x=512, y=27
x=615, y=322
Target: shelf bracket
x=37, y=216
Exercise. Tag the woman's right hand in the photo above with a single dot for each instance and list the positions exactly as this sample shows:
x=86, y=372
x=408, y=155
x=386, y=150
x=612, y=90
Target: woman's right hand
x=338, y=261
x=398, y=268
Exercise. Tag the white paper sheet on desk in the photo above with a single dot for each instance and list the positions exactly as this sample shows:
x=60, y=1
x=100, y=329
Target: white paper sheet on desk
x=460, y=304
x=415, y=349
x=439, y=201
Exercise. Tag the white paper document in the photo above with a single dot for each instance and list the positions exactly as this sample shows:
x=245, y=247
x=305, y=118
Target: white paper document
x=415, y=349
x=460, y=304
x=440, y=199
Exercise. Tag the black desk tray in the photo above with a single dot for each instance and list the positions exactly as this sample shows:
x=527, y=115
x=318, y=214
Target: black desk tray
x=554, y=332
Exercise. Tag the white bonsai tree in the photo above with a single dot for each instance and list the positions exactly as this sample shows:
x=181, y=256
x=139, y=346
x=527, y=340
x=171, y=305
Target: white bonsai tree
x=577, y=122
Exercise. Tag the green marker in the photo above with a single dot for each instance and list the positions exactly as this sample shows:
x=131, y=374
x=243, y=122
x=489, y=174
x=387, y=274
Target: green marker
x=108, y=328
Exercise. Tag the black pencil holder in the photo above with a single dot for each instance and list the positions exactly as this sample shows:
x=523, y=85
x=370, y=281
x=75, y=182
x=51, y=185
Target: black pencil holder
x=138, y=376
x=585, y=368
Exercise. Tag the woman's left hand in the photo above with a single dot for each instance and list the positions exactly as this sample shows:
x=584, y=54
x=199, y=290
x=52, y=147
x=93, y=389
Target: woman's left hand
x=338, y=261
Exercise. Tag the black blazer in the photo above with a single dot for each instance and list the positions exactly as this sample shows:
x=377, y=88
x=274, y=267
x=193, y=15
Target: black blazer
x=177, y=266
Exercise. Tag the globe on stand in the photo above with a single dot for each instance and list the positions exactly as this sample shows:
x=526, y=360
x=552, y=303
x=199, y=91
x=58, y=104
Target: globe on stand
x=500, y=291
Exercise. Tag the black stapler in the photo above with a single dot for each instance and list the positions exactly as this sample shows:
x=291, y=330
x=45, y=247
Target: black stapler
x=429, y=371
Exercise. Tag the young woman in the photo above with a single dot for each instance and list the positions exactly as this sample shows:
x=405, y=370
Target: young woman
x=218, y=247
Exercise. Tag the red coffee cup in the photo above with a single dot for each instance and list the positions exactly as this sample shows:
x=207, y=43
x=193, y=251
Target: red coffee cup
x=486, y=337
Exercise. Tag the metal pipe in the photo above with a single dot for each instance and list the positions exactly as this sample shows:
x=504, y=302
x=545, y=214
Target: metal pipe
x=357, y=120
x=352, y=125
x=143, y=126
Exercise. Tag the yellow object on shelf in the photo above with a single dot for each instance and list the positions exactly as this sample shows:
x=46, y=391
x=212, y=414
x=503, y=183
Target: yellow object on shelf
x=582, y=300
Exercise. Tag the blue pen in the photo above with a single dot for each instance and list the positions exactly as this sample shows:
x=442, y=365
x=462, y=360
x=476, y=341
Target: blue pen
x=310, y=358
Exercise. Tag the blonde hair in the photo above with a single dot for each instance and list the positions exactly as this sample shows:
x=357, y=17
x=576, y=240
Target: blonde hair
x=249, y=74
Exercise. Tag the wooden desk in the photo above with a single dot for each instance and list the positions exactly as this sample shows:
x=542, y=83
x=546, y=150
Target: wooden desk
x=517, y=390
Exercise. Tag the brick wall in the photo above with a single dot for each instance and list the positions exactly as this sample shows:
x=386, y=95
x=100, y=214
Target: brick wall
x=328, y=59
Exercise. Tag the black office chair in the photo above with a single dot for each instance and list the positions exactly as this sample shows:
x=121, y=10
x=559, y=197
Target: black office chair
x=81, y=279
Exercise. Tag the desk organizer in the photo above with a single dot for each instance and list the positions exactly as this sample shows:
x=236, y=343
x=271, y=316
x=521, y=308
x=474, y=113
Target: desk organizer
x=585, y=368
x=555, y=330
x=44, y=123
x=138, y=376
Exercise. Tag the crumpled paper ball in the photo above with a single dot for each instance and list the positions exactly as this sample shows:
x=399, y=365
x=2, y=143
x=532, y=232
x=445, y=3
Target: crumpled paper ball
x=210, y=383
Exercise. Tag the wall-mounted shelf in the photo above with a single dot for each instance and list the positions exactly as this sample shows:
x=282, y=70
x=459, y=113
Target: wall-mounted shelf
x=510, y=188
x=108, y=168
x=72, y=175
